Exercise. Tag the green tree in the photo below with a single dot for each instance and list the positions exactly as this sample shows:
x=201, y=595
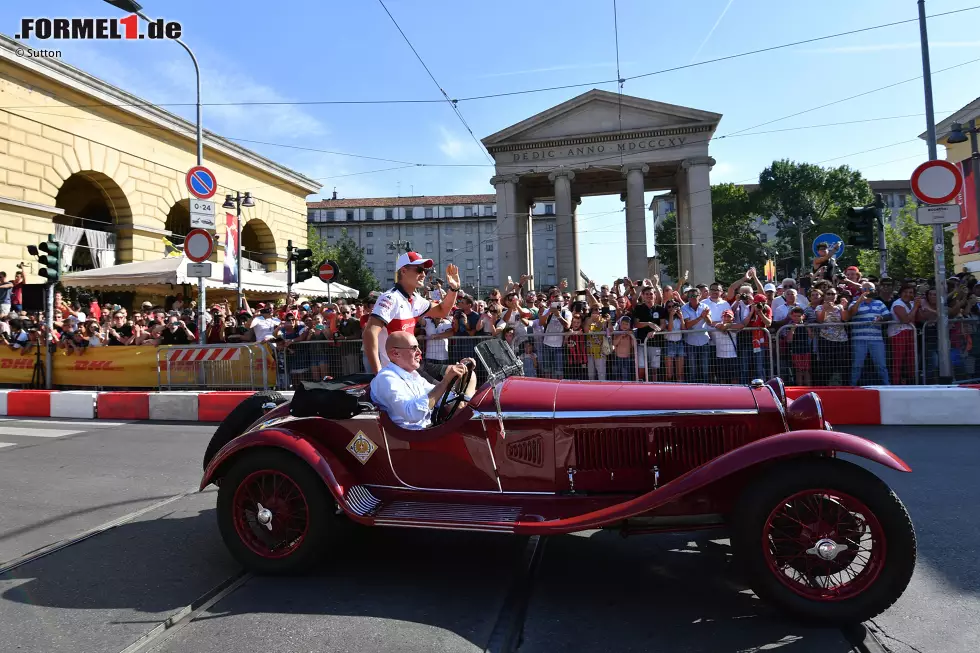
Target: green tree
x=910, y=253
x=738, y=245
x=354, y=270
x=795, y=194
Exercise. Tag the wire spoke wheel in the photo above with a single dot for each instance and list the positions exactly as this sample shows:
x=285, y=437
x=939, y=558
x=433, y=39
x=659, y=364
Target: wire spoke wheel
x=824, y=545
x=270, y=513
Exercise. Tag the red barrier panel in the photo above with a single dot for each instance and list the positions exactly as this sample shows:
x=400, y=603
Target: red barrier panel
x=215, y=406
x=845, y=405
x=29, y=403
x=123, y=405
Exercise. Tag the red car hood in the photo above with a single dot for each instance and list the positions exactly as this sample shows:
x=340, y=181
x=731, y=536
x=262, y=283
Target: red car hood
x=528, y=394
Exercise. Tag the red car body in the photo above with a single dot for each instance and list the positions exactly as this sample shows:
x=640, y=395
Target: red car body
x=573, y=455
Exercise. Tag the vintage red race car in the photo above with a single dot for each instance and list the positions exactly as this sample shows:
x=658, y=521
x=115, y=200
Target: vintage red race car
x=817, y=536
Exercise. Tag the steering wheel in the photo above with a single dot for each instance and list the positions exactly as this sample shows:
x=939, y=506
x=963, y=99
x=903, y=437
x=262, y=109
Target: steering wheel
x=447, y=406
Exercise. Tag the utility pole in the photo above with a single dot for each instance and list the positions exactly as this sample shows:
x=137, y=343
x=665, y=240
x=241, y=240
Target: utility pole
x=882, y=245
x=938, y=236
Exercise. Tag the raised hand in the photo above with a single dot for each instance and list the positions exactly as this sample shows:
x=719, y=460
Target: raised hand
x=452, y=275
x=563, y=284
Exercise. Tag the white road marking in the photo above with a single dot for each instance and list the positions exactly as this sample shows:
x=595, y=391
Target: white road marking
x=36, y=433
x=93, y=423
x=7, y=444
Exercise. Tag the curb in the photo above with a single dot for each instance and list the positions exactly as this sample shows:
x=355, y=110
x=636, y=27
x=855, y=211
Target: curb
x=190, y=406
x=876, y=405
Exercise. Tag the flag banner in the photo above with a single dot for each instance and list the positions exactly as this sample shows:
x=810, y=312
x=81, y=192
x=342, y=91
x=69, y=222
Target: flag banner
x=968, y=229
x=170, y=250
x=231, y=249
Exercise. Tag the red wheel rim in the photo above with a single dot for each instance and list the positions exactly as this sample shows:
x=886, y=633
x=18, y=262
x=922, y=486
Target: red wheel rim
x=281, y=496
x=824, y=545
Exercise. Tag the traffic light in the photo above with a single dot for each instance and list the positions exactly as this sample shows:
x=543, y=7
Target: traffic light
x=303, y=264
x=860, y=226
x=50, y=259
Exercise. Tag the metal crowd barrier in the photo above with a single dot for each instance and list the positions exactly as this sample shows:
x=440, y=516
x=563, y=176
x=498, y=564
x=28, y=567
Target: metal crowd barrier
x=963, y=350
x=830, y=355
x=243, y=366
x=312, y=360
x=725, y=357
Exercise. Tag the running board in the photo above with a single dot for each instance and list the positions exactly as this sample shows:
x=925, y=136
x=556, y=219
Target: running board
x=429, y=515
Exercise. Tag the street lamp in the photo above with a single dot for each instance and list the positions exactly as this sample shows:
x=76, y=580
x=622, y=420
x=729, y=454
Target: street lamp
x=957, y=134
x=237, y=202
x=134, y=7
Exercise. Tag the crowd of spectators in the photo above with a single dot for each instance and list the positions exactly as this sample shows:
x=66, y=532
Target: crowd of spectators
x=829, y=328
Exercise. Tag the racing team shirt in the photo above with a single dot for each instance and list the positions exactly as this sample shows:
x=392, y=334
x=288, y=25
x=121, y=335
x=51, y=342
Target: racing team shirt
x=398, y=311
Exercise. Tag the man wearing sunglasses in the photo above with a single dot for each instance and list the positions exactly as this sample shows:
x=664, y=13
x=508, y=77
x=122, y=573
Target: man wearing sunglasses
x=396, y=310
x=403, y=393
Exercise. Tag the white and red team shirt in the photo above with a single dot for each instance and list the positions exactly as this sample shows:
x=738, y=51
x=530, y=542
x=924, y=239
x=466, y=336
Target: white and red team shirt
x=398, y=311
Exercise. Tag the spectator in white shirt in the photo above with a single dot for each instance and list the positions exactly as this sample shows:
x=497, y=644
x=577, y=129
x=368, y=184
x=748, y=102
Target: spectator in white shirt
x=437, y=334
x=780, y=312
x=264, y=324
x=697, y=318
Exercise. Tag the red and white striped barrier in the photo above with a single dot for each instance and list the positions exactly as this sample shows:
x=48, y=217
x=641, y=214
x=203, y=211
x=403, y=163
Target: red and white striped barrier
x=196, y=355
x=882, y=405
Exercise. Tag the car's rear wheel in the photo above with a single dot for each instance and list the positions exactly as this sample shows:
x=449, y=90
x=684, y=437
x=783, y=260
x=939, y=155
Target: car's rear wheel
x=824, y=540
x=240, y=418
x=274, y=513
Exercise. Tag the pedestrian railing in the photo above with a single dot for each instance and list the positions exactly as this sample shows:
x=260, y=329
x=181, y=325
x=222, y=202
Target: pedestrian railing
x=963, y=350
x=727, y=356
x=847, y=354
x=313, y=360
x=245, y=366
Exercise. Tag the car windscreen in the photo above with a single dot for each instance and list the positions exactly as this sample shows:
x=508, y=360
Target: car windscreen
x=498, y=359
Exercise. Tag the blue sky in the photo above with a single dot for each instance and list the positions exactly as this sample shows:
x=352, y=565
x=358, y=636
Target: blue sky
x=327, y=50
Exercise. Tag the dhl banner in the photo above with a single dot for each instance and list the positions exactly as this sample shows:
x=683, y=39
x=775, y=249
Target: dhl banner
x=136, y=367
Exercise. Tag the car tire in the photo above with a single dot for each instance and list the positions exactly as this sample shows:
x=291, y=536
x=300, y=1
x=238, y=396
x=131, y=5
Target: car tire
x=301, y=507
x=240, y=418
x=806, y=502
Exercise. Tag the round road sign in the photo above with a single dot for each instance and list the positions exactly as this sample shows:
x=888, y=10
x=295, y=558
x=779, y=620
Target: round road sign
x=198, y=245
x=201, y=182
x=936, y=182
x=830, y=239
x=328, y=271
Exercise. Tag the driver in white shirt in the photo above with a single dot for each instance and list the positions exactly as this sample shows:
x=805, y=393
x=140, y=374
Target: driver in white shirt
x=406, y=395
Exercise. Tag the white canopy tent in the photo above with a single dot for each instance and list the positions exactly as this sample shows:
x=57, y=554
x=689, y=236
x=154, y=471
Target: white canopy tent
x=316, y=288
x=162, y=276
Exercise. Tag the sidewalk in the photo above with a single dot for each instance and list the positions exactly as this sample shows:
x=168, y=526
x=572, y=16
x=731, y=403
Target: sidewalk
x=876, y=405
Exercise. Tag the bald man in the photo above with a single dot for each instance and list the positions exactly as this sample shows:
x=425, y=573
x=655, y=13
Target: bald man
x=406, y=395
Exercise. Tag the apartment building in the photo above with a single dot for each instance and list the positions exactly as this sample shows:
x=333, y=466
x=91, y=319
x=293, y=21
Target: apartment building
x=458, y=229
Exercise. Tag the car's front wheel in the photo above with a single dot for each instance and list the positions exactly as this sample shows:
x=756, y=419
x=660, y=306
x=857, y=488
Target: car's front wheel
x=274, y=513
x=824, y=540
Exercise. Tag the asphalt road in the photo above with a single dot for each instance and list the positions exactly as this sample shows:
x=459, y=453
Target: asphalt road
x=403, y=590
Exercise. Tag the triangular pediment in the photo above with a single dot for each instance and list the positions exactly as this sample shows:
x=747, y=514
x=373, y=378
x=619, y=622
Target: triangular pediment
x=601, y=112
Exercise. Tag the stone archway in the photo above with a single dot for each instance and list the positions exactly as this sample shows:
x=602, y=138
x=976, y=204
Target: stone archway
x=258, y=246
x=178, y=221
x=92, y=201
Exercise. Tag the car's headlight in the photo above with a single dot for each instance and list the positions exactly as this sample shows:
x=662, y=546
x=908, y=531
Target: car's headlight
x=805, y=412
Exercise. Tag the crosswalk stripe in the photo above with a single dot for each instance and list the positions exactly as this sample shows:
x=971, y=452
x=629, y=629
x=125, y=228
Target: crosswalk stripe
x=36, y=433
x=7, y=444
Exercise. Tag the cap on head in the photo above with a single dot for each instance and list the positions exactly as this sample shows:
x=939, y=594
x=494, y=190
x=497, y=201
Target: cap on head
x=412, y=258
x=769, y=287
x=759, y=298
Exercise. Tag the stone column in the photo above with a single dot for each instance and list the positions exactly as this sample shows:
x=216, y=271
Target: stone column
x=508, y=261
x=566, y=240
x=636, y=231
x=698, y=182
x=528, y=243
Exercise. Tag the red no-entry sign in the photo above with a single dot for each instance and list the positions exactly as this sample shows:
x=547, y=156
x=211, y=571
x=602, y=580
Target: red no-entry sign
x=936, y=182
x=328, y=271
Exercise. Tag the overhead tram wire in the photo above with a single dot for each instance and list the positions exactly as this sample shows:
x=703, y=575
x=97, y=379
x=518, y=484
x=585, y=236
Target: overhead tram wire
x=452, y=103
x=521, y=92
x=852, y=97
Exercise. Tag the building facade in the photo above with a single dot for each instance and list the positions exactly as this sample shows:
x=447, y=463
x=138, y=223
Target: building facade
x=104, y=171
x=460, y=229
